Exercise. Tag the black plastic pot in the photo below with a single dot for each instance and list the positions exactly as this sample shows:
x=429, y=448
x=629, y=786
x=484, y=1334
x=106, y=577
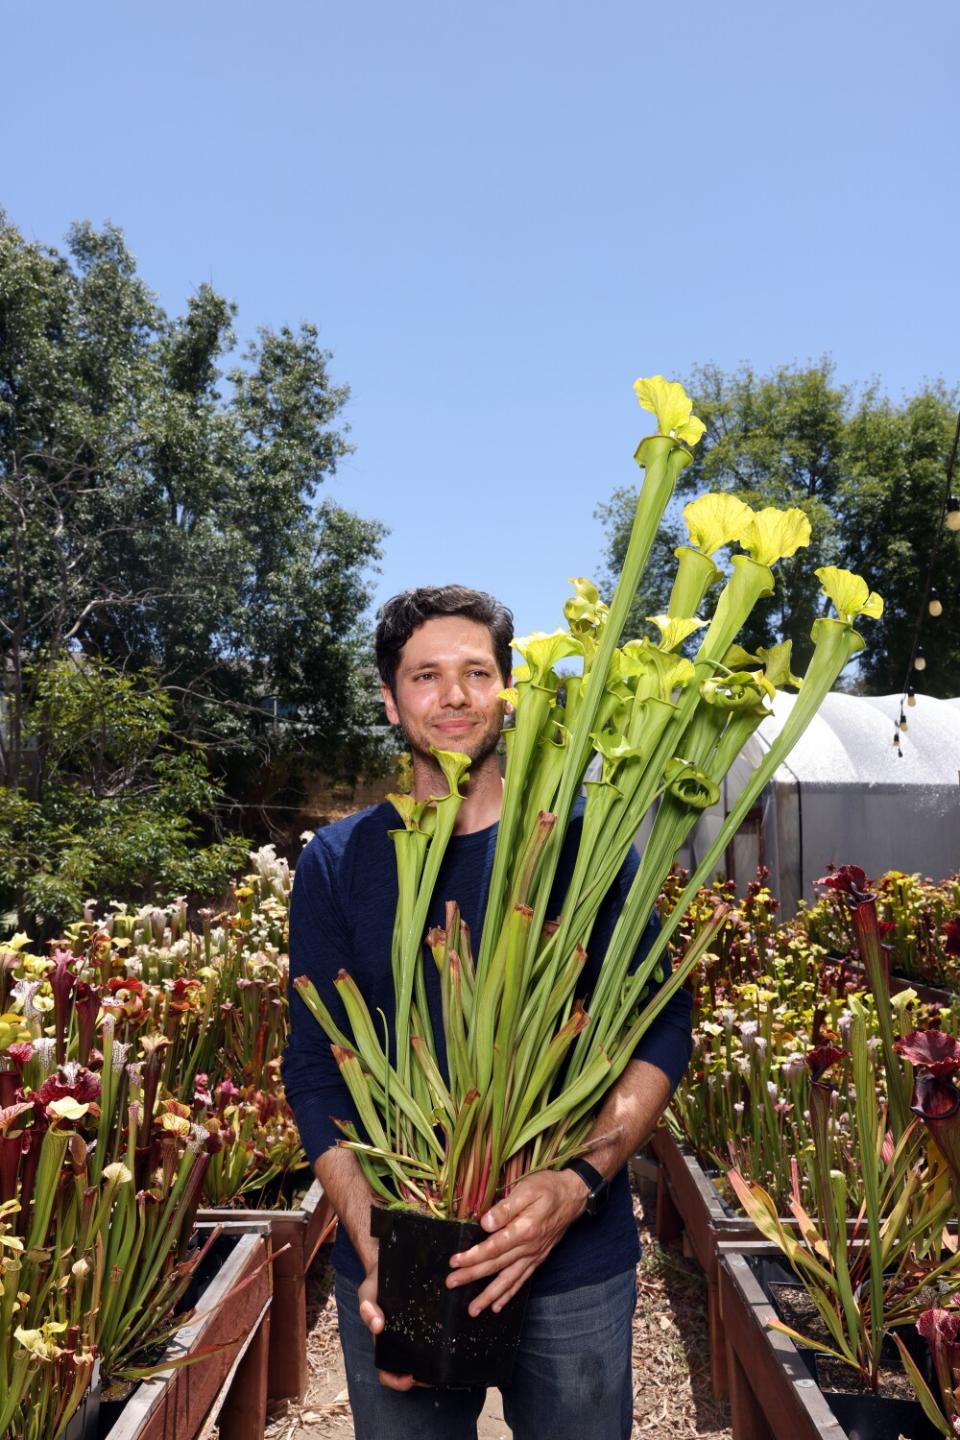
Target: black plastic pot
x=429, y=1333
x=85, y=1422
x=874, y=1417
x=864, y=1416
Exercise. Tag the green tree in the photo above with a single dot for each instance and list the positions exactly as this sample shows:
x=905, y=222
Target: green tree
x=894, y=464
x=114, y=803
x=159, y=513
x=868, y=473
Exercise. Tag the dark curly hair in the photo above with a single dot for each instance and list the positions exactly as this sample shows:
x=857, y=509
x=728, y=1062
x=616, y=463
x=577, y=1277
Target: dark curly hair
x=405, y=613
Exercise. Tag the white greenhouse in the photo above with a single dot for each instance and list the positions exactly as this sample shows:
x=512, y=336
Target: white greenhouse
x=844, y=796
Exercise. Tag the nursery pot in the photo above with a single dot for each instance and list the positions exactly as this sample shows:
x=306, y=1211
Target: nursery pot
x=85, y=1422
x=864, y=1416
x=877, y=1417
x=429, y=1333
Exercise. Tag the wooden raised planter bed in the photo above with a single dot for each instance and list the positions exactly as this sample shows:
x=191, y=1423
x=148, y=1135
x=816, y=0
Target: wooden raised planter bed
x=773, y=1395
x=689, y=1207
x=304, y=1231
x=227, y=1389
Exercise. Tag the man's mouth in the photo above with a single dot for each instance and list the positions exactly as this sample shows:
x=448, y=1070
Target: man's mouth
x=454, y=727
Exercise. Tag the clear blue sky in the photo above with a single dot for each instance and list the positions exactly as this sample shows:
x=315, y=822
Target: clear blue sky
x=501, y=214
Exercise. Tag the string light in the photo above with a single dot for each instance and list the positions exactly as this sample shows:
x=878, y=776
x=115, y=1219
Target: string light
x=919, y=659
x=911, y=695
x=952, y=516
x=903, y=719
x=935, y=604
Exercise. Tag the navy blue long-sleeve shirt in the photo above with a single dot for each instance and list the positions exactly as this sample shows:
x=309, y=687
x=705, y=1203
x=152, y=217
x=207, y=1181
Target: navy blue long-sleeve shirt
x=342, y=910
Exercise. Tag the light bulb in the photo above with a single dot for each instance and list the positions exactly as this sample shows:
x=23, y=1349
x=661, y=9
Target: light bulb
x=919, y=660
x=953, y=512
x=903, y=721
x=935, y=604
x=911, y=696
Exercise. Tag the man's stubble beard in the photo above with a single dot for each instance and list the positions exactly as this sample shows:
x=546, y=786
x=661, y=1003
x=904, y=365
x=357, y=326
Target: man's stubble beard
x=485, y=746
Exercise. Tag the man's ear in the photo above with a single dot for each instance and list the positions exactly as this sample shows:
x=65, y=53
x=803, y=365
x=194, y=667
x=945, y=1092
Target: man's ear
x=389, y=704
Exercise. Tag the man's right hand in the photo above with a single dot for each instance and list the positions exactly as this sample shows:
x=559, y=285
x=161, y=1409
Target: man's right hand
x=372, y=1316
x=343, y=1182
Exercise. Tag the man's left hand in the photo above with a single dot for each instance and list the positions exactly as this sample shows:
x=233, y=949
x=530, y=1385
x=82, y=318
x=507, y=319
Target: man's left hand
x=525, y=1227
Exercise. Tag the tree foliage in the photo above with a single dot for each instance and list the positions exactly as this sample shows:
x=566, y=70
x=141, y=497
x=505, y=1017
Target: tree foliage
x=867, y=471
x=158, y=513
x=108, y=810
x=164, y=534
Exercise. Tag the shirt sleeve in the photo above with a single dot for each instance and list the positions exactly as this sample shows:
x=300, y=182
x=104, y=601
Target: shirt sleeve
x=668, y=1042
x=319, y=949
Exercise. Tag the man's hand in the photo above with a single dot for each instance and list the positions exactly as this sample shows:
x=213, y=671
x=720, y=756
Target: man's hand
x=342, y=1179
x=372, y=1316
x=526, y=1226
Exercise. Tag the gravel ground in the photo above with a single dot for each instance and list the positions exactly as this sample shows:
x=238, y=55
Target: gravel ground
x=671, y=1376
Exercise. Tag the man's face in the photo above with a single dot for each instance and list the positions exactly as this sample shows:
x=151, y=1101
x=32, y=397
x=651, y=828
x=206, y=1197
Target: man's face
x=446, y=689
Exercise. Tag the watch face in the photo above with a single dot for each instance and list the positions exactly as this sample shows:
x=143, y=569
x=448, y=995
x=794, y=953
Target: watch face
x=597, y=1198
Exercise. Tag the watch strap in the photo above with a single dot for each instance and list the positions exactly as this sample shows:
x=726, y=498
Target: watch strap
x=598, y=1186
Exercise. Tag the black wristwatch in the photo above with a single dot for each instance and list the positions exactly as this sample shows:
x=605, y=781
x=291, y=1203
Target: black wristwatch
x=598, y=1186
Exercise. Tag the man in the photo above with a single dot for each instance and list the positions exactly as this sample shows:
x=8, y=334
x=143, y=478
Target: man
x=444, y=657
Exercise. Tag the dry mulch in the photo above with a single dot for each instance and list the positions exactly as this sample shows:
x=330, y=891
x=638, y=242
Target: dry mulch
x=671, y=1361
x=671, y=1372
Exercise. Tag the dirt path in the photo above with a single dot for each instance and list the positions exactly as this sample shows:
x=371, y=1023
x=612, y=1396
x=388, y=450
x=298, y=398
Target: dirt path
x=672, y=1398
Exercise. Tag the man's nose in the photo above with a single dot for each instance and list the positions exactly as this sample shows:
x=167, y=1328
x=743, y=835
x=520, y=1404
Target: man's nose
x=453, y=692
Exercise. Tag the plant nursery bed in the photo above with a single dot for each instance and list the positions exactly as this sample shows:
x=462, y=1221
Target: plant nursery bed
x=773, y=1394
x=690, y=1207
x=226, y=1388
x=303, y=1229
x=929, y=994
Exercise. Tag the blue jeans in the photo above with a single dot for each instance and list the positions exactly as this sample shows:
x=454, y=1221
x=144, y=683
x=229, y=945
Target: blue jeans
x=572, y=1381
